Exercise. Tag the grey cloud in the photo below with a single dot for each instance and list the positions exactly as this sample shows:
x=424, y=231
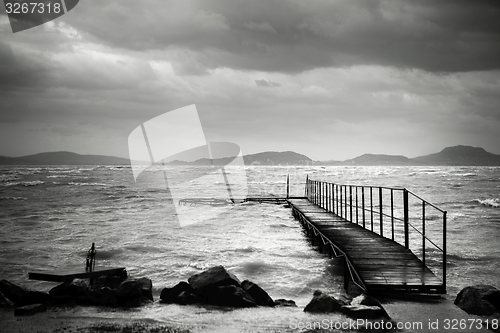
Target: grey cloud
x=293, y=36
x=266, y=83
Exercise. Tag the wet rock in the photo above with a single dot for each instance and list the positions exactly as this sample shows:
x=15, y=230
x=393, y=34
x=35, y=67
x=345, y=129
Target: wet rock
x=146, y=288
x=284, y=303
x=29, y=310
x=187, y=298
x=231, y=296
x=170, y=295
x=214, y=277
x=132, y=293
x=489, y=293
x=323, y=303
x=22, y=296
x=469, y=299
x=76, y=289
x=5, y=302
x=103, y=296
x=364, y=299
x=364, y=311
x=260, y=296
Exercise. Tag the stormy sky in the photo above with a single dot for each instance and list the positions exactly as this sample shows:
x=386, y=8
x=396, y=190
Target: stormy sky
x=328, y=79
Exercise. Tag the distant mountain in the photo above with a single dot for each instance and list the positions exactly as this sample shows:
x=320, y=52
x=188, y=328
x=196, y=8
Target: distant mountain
x=277, y=158
x=63, y=158
x=459, y=155
x=377, y=159
x=265, y=158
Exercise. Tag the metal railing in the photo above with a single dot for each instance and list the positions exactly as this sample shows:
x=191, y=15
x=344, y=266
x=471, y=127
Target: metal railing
x=394, y=213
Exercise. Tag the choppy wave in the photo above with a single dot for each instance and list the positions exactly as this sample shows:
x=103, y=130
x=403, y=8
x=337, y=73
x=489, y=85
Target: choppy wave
x=86, y=184
x=491, y=202
x=28, y=183
x=13, y=198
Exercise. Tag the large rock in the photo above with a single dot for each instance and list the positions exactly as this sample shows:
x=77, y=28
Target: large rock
x=489, y=293
x=284, y=303
x=469, y=299
x=103, y=296
x=5, y=302
x=231, y=296
x=323, y=303
x=187, y=298
x=133, y=293
x=146, y=286
x=364, y=311
x=171, y=294
x=22, y=296
x=29, y=310
x=214, y=277
x=76, y=289
x=260, y=296
x=364, y=306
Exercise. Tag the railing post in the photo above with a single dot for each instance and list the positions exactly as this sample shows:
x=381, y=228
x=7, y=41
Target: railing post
x=371, y=207
x=392, y=212
x=345, y=202
x=287, y=186
x=363, y=205
x=406, y=217
x=444, y=250
x=350, y=204
x=381, y=211
x=337, y=198
x=357, y=217
x=306, y=190
x=341, y=205
x=423, y=232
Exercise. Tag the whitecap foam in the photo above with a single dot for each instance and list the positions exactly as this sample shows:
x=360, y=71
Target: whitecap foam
x=30, y=183
x=491, y=202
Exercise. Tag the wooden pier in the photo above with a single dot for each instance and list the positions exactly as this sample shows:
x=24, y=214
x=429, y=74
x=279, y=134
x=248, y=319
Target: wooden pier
x=374, y=262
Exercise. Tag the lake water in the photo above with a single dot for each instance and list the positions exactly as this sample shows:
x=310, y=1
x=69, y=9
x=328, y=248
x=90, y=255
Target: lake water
x=50, y=215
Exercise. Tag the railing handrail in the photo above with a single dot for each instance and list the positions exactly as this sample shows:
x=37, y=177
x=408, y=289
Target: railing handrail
x=338, y=199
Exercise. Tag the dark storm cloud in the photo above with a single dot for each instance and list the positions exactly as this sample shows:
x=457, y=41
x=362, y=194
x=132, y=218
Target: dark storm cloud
x=295, y=36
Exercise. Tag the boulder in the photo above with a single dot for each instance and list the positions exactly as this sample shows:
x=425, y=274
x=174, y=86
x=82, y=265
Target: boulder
x=103, y=296
x=364, y=311
x=29, y=310
x=187, y=298
x=146, y=288
x=22, y=296
x=323, y=303
x=469, y=299
x=214, y=277
x=5, y=302
x=132, y=293
x=169, y=295
x=260, y=296
x=489, y=293
x=231, y=296
x=284, y=303
x=364, y=299
x=76, y=289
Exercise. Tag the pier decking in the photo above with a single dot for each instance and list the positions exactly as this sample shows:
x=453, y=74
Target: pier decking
x=382, y=265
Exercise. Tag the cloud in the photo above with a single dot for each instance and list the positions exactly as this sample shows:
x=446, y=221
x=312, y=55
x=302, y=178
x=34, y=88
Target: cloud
x=292, y=36
x=266, y=83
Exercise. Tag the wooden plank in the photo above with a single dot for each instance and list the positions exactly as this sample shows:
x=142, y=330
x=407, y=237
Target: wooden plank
x=67, y=275
x=380, y=262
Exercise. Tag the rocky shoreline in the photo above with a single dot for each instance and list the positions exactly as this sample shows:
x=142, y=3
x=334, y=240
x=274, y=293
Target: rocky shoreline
x=215, y=287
